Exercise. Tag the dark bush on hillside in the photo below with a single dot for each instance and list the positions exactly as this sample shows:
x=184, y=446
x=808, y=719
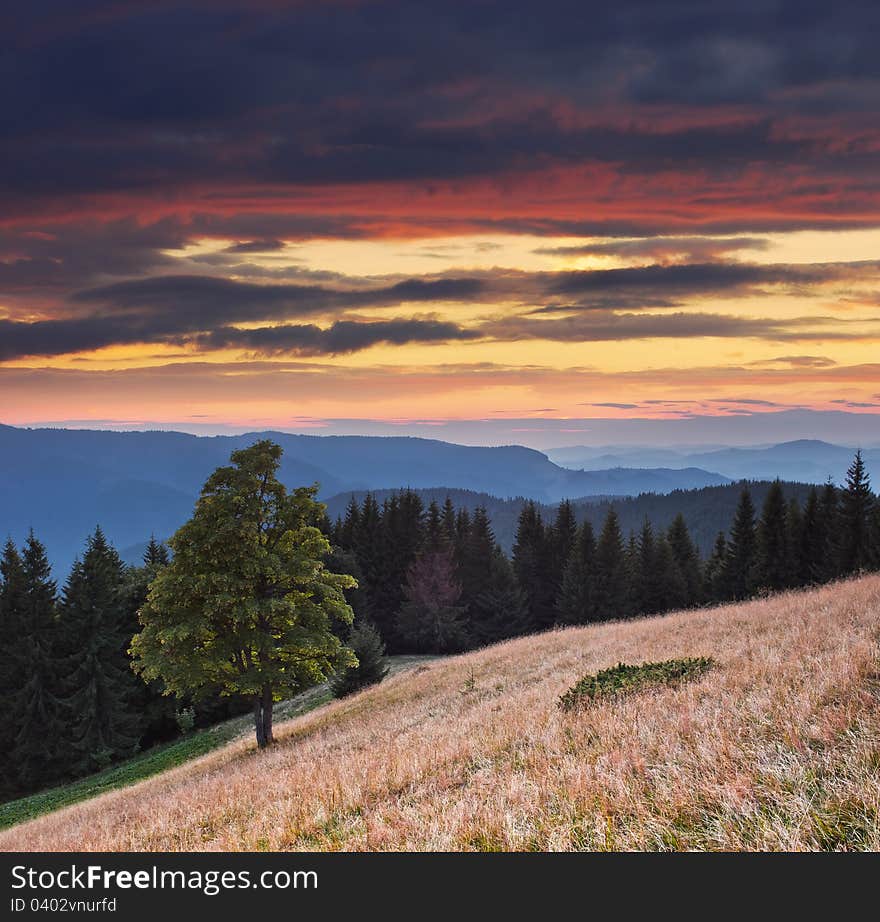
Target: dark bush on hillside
x=623, y=679
x=371, y=668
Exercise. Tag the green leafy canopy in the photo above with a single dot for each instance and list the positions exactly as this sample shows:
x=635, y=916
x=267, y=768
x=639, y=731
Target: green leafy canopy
x=246, y=602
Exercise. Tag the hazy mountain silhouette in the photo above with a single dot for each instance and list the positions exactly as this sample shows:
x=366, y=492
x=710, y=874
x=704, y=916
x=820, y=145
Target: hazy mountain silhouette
x=806, y=460
x=63, y=482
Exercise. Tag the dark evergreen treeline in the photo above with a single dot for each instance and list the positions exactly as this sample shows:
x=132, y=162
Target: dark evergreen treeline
x=431, y=580
x=436, y=580
x=707, y=510
x=69, y=700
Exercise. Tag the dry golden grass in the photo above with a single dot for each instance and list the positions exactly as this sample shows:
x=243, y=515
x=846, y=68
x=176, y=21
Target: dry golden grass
x=778, y=748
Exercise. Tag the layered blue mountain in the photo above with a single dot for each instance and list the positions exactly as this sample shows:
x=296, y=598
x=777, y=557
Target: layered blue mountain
x=63, y=482
x=805, y=460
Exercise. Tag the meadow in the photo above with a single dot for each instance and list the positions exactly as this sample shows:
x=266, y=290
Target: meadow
x=777, y=747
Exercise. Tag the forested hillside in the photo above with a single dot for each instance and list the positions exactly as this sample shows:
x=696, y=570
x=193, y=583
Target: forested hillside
x=431, y=578
x=706, y=511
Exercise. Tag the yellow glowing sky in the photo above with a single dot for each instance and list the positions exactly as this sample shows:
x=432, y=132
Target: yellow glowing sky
x=488, y=377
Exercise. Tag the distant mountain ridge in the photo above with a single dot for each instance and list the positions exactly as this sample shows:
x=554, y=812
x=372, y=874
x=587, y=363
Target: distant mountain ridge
x=805, y=460
x=63, y=482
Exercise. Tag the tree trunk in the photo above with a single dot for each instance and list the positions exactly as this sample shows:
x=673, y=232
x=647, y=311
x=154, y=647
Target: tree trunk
x=267, y=716
x=258, y=722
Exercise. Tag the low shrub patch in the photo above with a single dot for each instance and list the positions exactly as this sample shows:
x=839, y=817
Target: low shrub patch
x=624, y=679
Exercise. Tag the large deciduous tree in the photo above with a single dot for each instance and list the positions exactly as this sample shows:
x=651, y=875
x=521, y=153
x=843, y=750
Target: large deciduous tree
x=246, y=603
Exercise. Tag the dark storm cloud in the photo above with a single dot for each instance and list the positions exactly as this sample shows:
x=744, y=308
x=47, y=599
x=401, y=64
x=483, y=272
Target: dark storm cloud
x=342, y=337
x=599, y=305
x=256, y=246
x=202, y=299
x=177, y=309
x=137, y=97
x=692, y=278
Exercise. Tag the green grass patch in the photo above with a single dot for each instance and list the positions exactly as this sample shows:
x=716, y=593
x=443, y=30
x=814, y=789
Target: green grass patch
x=624, y=679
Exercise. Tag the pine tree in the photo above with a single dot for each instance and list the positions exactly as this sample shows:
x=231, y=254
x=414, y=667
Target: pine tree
x=813, y=543
x=348, y=531
x=561, y=538
x=369, y=548
x=671, y=588
x=687, y=559
x=773, y=560
x=401, y=541
x=829, y=530
x=500, y=610
x=449, y=521
x=155, y=556
x=740, y=560
x=434, y=534
x=366, y=644
x=856, y=520
x=647, y=580
x=476, y=557
x=431, y=620
x=576, y=601
x=37, y=752
x=794, y=540
x=101, y=686
x=714, y=578
x=530, y=566
x=611, y=594
x=12, y=675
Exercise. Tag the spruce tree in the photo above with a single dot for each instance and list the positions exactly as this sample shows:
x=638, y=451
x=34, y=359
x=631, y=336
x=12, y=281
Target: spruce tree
x=12, y=675
x=687, y=558
x=857, y=550
x=449, y=521
x=611, y=592
x=714, y=576
x=829, y=529
x=476, y=556
x=348, y=530
x=794, y=540
x=38, y=750
x=401, y=541
x=530, y=566
x=366, y=644
x=647, y=582
x=434, y=535
x=671, y=591
x=560, y=541
x=739, y=564
x=104, y=724
x=500, y=610
x=155, y=556
x=576, y=603
x=812, y=550
x=369, y=548
x=431, y=620
x=773, y=560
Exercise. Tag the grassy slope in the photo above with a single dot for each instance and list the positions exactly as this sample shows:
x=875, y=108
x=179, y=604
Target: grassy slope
x=169, y=755
x=776, y=748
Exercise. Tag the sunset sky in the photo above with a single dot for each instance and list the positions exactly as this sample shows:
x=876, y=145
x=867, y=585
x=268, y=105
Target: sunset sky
x=279, y=214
